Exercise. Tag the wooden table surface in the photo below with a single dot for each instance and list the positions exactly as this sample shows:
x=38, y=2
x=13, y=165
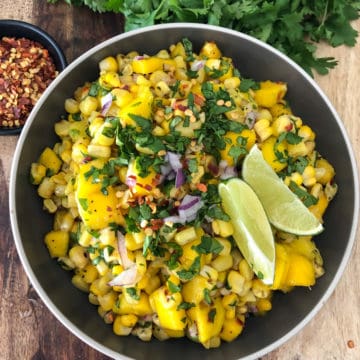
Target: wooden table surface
x=27, y=328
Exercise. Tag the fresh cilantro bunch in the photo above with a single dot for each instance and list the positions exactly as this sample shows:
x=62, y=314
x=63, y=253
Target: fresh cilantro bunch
x=294, y=26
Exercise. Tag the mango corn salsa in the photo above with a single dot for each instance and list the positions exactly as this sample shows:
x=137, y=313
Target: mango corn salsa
x=132, y=184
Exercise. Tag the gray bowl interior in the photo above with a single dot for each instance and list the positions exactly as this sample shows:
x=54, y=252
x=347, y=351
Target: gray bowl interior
x=290, y=312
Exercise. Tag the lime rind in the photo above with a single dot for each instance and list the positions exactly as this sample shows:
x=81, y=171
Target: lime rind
x=284, y=209
x=252, y=230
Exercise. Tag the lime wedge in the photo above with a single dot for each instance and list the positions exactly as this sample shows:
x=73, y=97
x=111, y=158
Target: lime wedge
x=284, y=209
x=252, y=230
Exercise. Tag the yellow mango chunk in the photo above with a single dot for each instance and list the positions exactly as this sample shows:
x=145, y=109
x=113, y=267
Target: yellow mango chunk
x=210, y=50
x=282, y=264
x=301, y=271
x=190, y=254
x=140, y=106
x=231, y=139
x=193, y=290
x=96, y=209
x=149, y=65
x=303, y=246
x=165, y=304
x=270, y=93
x=293, y=266
x=319, y=208
x=140, y=186
x=209, y=319
x=232, y=328
x=279, y=109
x=37, y=173
x=50, y=160
x=175, y=333
x=327, y=169
x=57, y=243
x=140, y=308
x=268, y=151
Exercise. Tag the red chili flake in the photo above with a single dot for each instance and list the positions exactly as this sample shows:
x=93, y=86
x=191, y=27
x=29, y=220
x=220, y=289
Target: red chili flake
x=156, y=224
x=108, y=208
x=289, y=127
x=148, y=187
x=26, y=69
x=86, y=159
x=179, y=106
x=141, y=200
x=350, y=344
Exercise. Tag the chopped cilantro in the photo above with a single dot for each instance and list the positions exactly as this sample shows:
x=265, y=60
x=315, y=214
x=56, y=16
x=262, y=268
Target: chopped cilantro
x=94, y=89
x=217, y=73
x=211, y=315
x=133, y=293
x=173, y=287
x=76, y=116
x=145, y=211
x=247, y=84
x=208, y=245
x=191, y=272
x=207, y=297
x=175, y=254
x=192, y=165
x=216, y=212
x=304, y=196
x=84, y=203
x=185, y=305
x=143, y=123
x=188, y=46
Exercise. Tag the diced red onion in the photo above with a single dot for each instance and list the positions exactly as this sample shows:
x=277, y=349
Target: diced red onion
x=187, y=210
x=175, y=219
x=226, y=171
x=125, y=261
x=106, y=102
x=214, y=169
x=165, y=169
x=130, y=181
x=180, y=178
x=189, y=207
x=253, y=309
x=193, y=331
x=197, y=65
x=126, y=278
x=139, y=57
x=189, y=201
x=174, y=160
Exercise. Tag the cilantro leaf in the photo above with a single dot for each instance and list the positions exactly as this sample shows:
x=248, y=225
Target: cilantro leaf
x=208, y=245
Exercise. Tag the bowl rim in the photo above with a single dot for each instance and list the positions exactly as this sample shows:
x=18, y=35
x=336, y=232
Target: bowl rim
x=14, y=222
x=48, y=41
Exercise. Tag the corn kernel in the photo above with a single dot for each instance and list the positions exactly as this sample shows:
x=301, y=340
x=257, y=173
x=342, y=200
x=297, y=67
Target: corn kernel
x=108, y=64
x=263, y=129
x=222, y=228
x=236, y=281
x=245, y=270
x=308, y=175
x=222, y=262
x=88, y=105
x=128, y=320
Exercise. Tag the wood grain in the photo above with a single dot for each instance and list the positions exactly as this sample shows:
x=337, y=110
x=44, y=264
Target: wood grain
x=29, y=331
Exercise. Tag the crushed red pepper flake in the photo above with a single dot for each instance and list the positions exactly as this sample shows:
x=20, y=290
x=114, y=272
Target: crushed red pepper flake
x=26, y=70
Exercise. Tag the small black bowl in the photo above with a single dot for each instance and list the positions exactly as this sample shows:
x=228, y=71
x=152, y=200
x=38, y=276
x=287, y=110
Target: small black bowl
x=19, y=29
